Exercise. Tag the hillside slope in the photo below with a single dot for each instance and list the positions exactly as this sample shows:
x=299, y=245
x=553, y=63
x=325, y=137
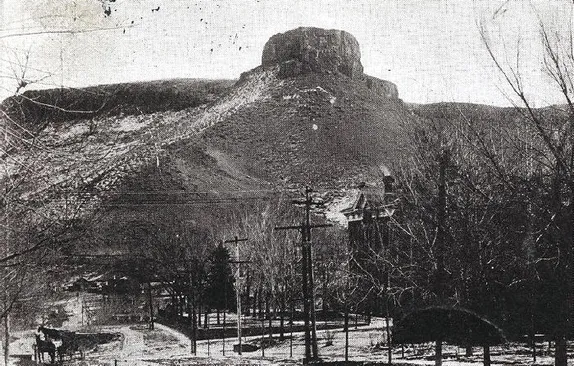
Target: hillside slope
x=319, y=129
x=305, y=117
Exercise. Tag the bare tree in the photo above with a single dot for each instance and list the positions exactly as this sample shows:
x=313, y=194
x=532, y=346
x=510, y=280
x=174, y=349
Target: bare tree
x=42, y=209
x=550, y=133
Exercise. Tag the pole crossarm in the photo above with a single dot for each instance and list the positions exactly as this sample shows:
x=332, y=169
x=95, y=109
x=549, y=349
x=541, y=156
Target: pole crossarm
x=236, y=240
x=298, y=227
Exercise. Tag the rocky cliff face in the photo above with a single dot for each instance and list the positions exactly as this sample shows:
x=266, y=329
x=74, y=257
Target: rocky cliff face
x=383, y=88
x=314, y=50
x=304, y=50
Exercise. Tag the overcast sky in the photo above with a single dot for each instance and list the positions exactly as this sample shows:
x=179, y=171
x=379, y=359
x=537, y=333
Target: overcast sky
x=431, y=49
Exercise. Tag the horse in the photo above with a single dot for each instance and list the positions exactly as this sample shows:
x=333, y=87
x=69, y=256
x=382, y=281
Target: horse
x=46, y=346
x=54, y=334
x=69, y=345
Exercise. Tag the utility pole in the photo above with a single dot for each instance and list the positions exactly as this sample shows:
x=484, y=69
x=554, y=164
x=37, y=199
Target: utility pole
x=440, y=281
x=150, y=300
x=191, y=312
x=311, y=349
x=441, y=223
x=236, y=240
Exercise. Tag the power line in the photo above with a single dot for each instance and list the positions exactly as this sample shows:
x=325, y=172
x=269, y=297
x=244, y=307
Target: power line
x=274, y=191
x=206, y=194
x=62, y=31
x=186, y=203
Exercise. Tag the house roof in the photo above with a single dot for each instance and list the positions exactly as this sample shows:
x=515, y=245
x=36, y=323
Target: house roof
x=369, y=198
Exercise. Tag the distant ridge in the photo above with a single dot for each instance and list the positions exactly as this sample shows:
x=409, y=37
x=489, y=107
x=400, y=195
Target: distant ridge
x=34, y=108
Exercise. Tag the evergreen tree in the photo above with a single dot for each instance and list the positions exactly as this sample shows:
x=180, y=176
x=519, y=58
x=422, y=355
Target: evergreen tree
x=220, y=289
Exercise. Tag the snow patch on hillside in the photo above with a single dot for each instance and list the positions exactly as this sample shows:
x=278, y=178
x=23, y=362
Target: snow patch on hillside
x=256, y=86
x=131, y=123
x=75, y=131
x=333, y=209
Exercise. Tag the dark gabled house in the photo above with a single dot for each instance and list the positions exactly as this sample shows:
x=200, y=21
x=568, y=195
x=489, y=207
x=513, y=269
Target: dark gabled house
x=368, y=218
x=368, y=221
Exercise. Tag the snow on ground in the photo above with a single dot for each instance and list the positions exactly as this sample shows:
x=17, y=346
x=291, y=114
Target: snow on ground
x=23, y=341
x=140, y=346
